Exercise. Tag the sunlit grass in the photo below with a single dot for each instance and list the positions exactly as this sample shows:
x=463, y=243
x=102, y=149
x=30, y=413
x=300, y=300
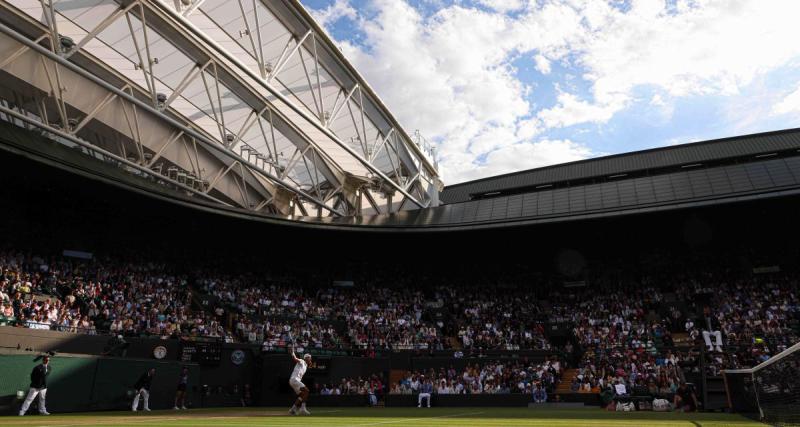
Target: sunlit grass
x=407, y=417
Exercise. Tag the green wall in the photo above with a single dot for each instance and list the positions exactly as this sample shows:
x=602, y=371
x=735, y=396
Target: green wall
x=92, y=383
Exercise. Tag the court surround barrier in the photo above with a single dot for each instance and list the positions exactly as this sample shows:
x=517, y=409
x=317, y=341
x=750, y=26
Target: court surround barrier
x=79, y=383
x=89, y=381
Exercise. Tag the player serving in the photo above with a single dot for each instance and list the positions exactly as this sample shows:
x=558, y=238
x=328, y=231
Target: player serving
x=300, y=366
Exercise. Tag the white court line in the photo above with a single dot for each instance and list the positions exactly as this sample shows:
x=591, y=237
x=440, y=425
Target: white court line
x=156, y=419
x=90, y=423
x=417, y=419
x=265, y=414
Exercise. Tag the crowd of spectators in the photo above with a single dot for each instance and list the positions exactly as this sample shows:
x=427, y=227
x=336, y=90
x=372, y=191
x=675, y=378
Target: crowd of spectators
x=496, y=318
x=361, y=386
x=754, y=319
x=372, y=317
x=624, y=330
x=384, y=317
x=496, y=377
x=622, y=335
x=91, y=296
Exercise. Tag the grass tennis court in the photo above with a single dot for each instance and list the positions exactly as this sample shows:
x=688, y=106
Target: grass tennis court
x=406, y=417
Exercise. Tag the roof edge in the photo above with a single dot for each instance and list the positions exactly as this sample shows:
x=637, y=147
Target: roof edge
x=629, y=153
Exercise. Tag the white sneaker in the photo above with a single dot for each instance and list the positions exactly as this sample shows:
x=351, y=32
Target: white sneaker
x=183, y=407
x=419, y=406
x=176, y=408
x=304, y=411
x=44, y=413
x=147, y=409
x=719, y=349
x=134, y=409
x=292, y=412
x=21, y=414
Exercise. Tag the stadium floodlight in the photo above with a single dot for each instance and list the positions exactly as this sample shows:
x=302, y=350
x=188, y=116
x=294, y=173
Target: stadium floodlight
x=66, y=43
x=770, y=389
x=161, y=99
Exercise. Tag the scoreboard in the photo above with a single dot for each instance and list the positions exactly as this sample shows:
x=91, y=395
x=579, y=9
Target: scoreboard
x=202, y=352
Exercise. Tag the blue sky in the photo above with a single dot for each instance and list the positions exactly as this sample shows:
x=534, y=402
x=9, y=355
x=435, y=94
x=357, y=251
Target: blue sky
x=506, y=85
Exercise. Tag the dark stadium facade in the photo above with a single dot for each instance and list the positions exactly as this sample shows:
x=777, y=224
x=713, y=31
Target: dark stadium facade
x=738, y=169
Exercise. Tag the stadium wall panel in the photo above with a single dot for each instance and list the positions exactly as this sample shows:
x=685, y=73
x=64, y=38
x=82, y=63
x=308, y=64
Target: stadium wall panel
x=87, y=383
x=473, y=400
x=63, y=342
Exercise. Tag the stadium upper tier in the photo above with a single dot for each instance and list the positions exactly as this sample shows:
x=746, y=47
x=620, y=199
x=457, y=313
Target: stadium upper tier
x=741, y=169
x=244, y=103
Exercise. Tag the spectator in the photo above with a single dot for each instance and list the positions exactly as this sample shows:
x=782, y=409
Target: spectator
x=711, y=327
x=685, y=400
x=425, y=393
x=539, y=394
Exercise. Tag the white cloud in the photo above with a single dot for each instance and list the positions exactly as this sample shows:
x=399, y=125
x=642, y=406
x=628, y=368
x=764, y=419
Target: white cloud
x=657, y=100
x=713, y=47
x=789, y=104
x=470, y=101
x=338, y=10
x=450, y=74
x=503, y=5
x=542, y=64
x=571, y=111
x=526, y=155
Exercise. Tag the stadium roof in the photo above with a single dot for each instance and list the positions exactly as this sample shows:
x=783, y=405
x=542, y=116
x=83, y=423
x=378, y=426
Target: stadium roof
x=627, y=163
x=254, y=91
x=732, y=179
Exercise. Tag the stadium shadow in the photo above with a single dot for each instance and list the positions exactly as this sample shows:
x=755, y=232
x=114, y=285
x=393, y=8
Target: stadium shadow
x=80, y=382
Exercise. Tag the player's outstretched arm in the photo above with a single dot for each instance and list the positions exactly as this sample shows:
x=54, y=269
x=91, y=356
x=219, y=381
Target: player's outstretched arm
x=294, y=357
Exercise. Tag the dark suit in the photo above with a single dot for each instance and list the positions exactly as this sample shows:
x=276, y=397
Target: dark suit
x=144, y=382
x=38, y=387
x=142, y=387
x=39, y=376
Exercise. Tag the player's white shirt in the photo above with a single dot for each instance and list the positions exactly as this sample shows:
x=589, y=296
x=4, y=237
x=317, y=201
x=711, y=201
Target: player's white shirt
x=299, y=370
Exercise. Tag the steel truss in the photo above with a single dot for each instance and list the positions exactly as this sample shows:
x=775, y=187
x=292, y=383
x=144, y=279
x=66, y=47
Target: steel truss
x=260, y=179
x=408, y=166
x=127, y=101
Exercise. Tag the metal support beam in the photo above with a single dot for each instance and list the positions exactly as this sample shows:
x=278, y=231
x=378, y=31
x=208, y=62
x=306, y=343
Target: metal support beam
x=208, y=143
x=105, y=23
x=108, y=99
x=337, y=108
x=185, y=82
x=92, y=147
x=285, y=58
x=11, y=58
x=193, y=7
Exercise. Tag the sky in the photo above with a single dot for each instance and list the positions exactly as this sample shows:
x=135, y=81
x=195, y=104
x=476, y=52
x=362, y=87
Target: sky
x=506, y=85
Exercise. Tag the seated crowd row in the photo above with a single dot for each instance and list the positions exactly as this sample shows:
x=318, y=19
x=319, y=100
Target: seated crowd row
x=625, y=330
